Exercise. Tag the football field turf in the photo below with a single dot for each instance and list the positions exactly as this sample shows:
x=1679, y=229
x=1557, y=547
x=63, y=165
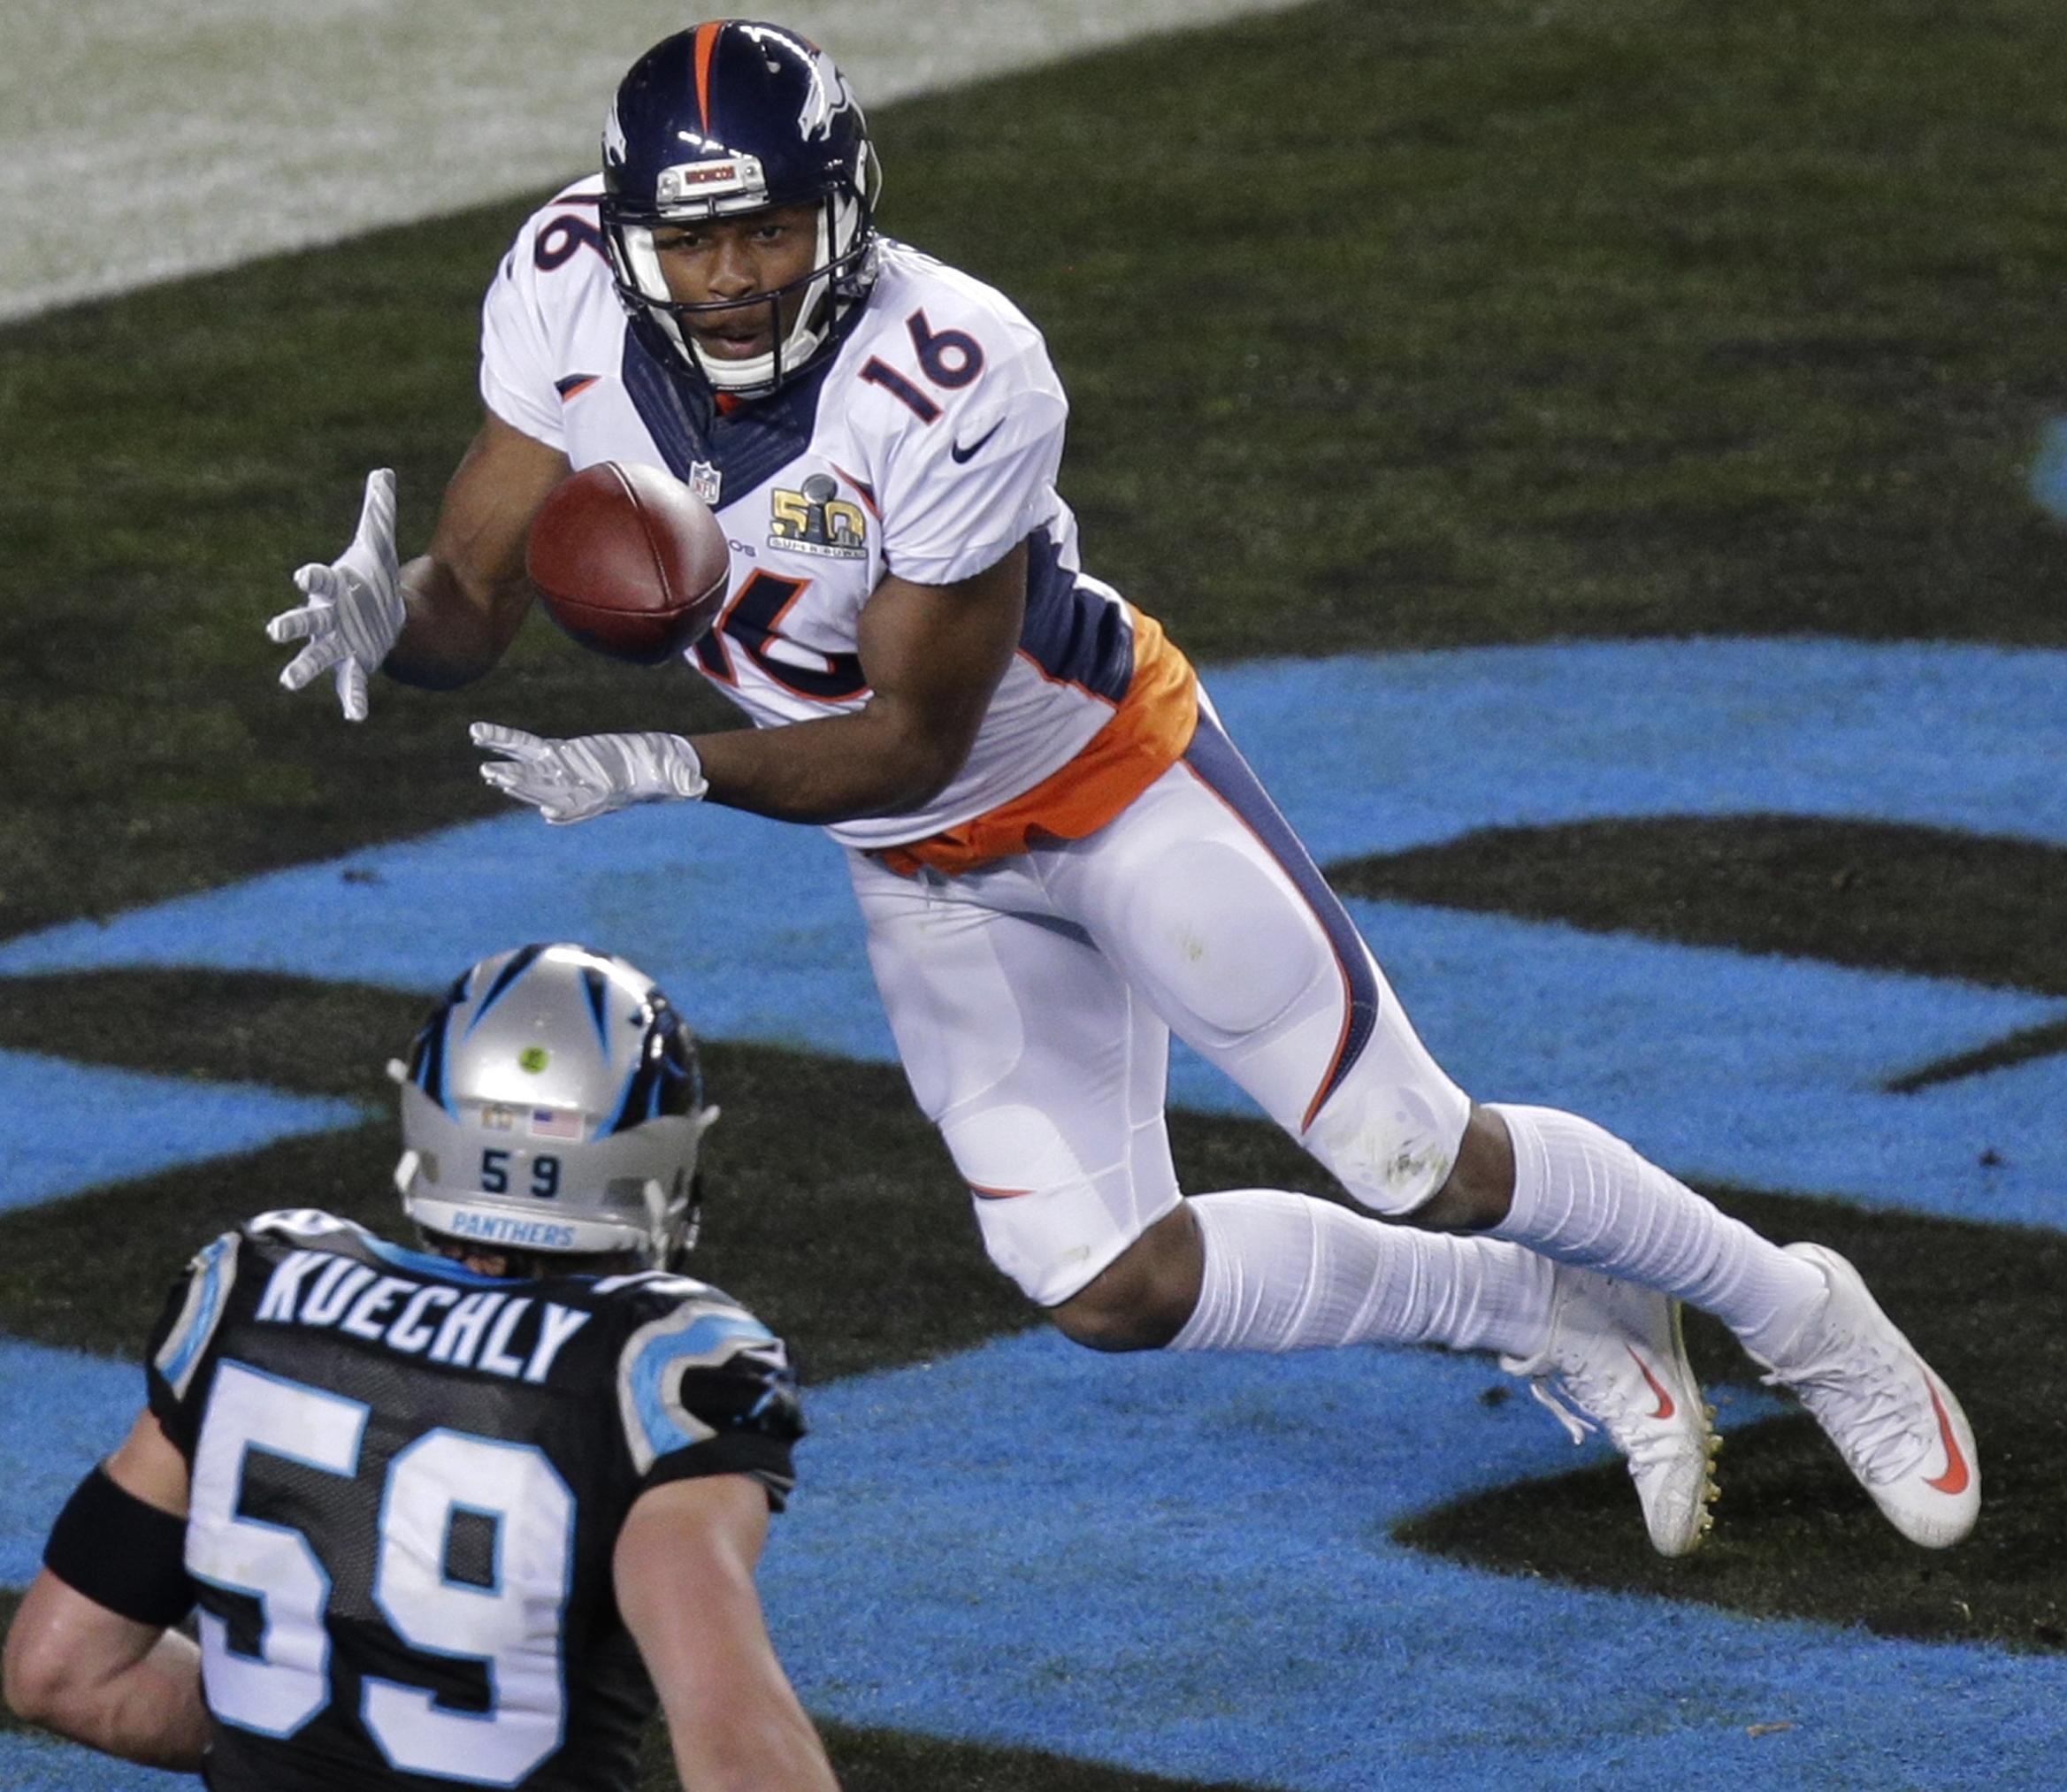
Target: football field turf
x=1389, y=327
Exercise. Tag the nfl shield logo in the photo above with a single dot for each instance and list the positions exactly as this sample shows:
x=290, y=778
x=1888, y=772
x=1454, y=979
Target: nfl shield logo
x=704, y=480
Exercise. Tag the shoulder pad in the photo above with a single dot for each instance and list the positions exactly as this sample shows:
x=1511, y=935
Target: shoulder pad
x=664, y=1283
x=301, y=1224
x=664, y=1392
x=210, y=1277
x=586, y=187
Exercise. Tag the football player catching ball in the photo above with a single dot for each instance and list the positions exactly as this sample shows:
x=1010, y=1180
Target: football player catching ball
x=1060, y=856
x=451, y=1516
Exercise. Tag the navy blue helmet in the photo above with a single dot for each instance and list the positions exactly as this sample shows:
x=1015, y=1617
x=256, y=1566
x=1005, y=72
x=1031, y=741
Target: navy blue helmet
x=732, y=117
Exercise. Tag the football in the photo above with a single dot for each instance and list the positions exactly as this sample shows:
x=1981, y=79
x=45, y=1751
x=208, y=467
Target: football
x=629, y=561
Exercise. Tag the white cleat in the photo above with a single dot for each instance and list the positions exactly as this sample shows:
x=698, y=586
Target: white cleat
x=1896, y=1424
x=1615, y=1362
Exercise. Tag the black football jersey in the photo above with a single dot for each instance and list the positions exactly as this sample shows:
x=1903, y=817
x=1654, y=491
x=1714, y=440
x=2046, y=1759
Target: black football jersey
x=407, y=1484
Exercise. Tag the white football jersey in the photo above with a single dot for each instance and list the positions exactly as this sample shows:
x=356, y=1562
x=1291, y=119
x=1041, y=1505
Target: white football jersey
x=925, y=445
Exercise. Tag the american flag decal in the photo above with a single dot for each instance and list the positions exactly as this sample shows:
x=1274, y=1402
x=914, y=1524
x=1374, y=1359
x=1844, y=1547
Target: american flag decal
x=550, y=1122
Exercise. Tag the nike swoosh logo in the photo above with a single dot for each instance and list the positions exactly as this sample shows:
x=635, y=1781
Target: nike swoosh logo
x=1955, y=1478
x=1666, y=1408
x=959, y=455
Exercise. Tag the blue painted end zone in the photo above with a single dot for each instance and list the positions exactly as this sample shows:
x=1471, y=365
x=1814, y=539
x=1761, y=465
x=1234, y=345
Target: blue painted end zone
x=749, y=923
x=38, y=1764
x=71, y=1127
x=1381, y=752
x=1365, y=755
x=63, y=1411
x=1766, y=1071
x=1180, y=1564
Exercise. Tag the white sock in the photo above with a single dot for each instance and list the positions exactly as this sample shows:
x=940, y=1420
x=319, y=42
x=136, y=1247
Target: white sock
x=1582, y=1196
x=1286, y=1272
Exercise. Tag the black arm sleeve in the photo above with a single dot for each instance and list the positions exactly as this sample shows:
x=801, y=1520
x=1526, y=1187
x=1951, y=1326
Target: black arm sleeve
x=121, y=1552
x=765, y=1459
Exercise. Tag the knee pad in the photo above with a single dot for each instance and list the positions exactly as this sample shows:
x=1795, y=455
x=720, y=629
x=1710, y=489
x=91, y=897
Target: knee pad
x=1391, y=1144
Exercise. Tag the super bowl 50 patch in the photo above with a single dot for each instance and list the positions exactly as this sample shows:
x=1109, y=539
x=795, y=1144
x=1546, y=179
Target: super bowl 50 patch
x=818, y=520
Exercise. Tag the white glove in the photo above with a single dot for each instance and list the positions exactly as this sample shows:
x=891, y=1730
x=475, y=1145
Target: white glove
x=355, y=609
x=591, y=775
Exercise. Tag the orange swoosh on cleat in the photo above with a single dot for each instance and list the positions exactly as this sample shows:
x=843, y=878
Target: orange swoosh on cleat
x=1955, y=1478
x=1666, y=1408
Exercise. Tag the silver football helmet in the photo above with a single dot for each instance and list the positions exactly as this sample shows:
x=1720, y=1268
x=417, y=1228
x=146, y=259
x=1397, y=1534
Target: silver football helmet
x=553, y=1103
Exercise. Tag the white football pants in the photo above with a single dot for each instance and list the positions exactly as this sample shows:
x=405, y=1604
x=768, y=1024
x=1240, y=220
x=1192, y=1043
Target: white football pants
x=1032, y=1003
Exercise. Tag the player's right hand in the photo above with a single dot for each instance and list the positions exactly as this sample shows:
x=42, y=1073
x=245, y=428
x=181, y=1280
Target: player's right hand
x=354, y=610
x=592, y=774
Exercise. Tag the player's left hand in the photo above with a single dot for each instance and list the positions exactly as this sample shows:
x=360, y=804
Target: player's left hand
x=354, y=610
x=592, y=774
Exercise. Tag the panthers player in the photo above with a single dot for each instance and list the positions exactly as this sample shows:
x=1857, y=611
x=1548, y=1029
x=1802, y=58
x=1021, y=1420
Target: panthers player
x=1060, y=855
x=451, y=1516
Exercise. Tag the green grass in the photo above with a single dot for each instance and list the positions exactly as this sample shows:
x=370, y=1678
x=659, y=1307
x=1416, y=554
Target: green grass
x=1398, y=323
x=886, y=1761
x=1387, y=325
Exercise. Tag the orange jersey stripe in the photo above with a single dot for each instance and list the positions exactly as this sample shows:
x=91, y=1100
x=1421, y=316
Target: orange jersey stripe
x=1146, y=735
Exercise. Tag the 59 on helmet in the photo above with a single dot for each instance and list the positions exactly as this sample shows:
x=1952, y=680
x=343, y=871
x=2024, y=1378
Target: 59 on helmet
x=552, y=1103
x=727, y=118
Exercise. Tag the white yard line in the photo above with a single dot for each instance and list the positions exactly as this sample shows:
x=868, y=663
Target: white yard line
x=140, y=140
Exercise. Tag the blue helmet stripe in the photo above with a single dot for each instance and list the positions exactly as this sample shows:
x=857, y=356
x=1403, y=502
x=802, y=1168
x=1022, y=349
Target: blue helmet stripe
x=430, y=1067
x=664, y=1077
x=596, y=987
x=622, y=1117
x=520, y=961
x=427, y=1056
